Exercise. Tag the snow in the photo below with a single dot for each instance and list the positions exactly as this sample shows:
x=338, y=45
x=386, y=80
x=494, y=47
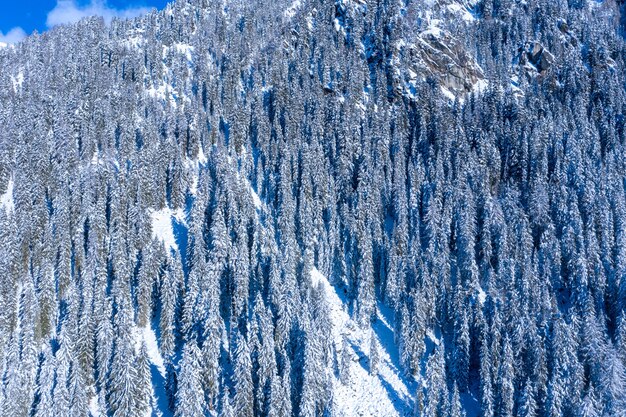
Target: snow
x=482, y=296
x=433, y=29
x=135, y=42
x=3, y=45
x=201, y=156
x=255, y=199
x=515, y=89
x=193, y=186
x=430, y=335
x=94, y=407
x=160, y=92
x=387, y=394
x=461, y=10
x=17, y=81
x=194, y=166
x=291, y=10
x=166, y=89
x=6, y=199
x=185, y=49
x=159, y=399
x=337, y=25
x=136, y=38
x=449, y=94
x=147, y=334
x=480, y=86
x=162, y=226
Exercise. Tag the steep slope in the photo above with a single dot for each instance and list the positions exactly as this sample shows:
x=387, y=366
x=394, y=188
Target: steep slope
x=388, y=393
x=313, y=208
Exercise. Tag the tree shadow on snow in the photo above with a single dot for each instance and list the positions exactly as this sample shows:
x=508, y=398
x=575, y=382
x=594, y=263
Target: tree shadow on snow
x=387, y=340
x=363, y=358
x=158, y=383
x=401, y=405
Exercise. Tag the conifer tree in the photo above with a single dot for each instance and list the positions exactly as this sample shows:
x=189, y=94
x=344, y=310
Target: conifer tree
x=528, y=404
x=455, y=404
x=45, y=386
x=227, y=408
x=436, y=389
x=374, y=354
x=189, y=395
x=506, y=381
x=144, y=381
x=244, y=395
x=346, y=361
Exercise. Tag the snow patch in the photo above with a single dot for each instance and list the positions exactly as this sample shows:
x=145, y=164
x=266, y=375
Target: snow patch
x=161, y=92
x=461, y=11
x=480, y=86
x=17, y=81
x=449, y=94
x=6, y=200
x=255, y=199
x=184, y=49
x=433, y=29
x=147, y=335
x=162, y=226
x=201, y=156
x=94, y=407
x=291, y=10
x=167, y=89
x=136, y=39
x=482, y=296
x=158, y=402
x=194, y=166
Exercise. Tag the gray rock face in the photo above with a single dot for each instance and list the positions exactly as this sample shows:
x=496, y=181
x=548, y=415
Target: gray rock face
x=438, y=54
x=534, y=58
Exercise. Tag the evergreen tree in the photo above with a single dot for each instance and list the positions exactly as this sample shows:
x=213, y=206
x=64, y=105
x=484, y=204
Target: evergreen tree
x=123, y=376
x=527, y=402
x=244, y=395
x=144, y=381
x=346, y=361
x=589, y=405
x=455, y=404
x=227, y=408
x=374, y=358
x=506, y=380
x=436, y=390
x=45, y=405
x=192, y=166
x=189, y=395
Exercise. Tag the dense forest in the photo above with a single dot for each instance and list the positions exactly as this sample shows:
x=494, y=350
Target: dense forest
x=233, y=208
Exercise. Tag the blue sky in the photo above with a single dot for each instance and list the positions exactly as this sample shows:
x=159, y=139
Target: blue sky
x=19, y=18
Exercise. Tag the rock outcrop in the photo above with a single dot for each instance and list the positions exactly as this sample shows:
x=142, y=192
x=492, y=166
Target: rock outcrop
x=438, y=54
x=534, y=58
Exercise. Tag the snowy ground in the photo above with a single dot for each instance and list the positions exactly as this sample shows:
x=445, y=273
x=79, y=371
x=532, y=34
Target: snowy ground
x=387, y=394
x=6, y=199
x=157, y=368
x=162, y=226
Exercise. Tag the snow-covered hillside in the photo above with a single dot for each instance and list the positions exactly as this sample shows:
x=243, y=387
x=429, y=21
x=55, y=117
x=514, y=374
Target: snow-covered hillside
x=305, y=208
x=388, y=393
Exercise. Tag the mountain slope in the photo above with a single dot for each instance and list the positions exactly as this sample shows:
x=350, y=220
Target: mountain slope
x=316, y=208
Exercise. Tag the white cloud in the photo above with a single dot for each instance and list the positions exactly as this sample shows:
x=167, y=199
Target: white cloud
x=13, y=36
x=68, y=11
